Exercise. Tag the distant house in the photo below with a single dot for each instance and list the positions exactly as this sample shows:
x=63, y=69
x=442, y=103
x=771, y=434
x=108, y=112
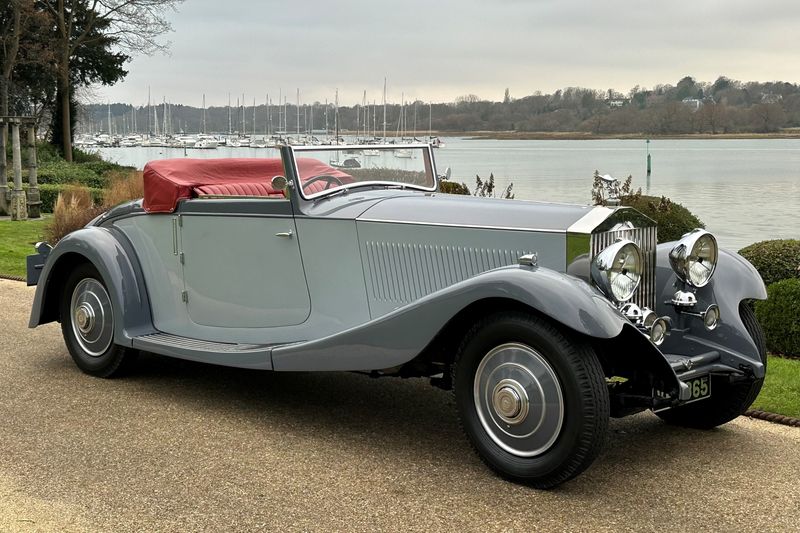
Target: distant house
x=770, y=98
x=616, y=103
x=692, y=103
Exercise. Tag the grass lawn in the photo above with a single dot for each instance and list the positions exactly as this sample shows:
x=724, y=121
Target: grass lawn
x=16, y=241
x=781, y=392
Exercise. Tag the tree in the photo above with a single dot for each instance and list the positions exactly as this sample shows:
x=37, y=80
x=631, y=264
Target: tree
x=10, y=31
x=767, y=117
x=133, y=25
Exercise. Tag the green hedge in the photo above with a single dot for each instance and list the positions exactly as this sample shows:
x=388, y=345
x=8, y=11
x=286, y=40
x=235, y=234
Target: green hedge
x=779, y=316
x=48, y=193
x=452, y=187
x=61, y=172
x=775, y=260
x=673, y=219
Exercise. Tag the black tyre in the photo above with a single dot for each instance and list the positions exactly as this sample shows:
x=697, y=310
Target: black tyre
x=727, y=400
x=531, y=398
x=87, y=323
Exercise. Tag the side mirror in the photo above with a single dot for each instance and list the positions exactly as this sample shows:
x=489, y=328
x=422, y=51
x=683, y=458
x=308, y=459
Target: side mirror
x=279, y=183
x=447, y=173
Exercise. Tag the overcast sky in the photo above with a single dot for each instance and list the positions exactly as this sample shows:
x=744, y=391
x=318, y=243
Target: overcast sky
x=440, y=49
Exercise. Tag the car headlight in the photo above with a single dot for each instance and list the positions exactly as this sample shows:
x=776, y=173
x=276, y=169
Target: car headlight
x=617, y=270
x=694, y=258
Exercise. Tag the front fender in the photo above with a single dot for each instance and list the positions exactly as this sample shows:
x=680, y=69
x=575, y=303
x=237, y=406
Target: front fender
x=401, y=335
x=735, y=280
x=111, y=254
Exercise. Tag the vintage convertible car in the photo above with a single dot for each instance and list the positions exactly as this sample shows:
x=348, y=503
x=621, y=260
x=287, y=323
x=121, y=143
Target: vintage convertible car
x=544, y=319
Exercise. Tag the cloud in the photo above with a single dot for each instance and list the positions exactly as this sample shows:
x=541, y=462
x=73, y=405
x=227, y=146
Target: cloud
x=439, y=50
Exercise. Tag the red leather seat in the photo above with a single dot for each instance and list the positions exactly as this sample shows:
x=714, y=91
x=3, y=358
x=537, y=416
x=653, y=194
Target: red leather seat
x=238, y=189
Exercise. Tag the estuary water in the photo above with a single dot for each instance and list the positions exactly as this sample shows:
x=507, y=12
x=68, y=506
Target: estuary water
x=744, y=190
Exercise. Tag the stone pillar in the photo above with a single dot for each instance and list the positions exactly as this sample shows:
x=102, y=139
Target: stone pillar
x=3, y=176
x=34, y=201
x=19, y=207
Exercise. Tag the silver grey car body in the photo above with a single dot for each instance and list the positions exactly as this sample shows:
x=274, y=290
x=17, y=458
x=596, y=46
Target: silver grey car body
x=386, y=280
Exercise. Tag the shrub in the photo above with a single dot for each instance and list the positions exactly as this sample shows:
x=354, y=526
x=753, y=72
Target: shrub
x=122, y=187
x=778, y=315
x=63, y=172
x=48, y=193
x=451, y=187
x=81, y=156
x=103, y=168
x=673, y=219
x=74, y=208
x=775, y=260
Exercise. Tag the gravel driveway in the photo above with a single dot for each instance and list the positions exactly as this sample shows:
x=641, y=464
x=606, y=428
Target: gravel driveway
x=184, y=446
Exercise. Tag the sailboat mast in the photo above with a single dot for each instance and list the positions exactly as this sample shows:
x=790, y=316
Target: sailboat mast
x=430, y=120
x=415, y=120
x=384, y=109
x=336, y=118
x=204, y=113
x=298, y=112
x=229, y=114
x=149, y=125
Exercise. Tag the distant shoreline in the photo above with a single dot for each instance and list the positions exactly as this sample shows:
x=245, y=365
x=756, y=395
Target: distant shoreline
x=579, y=135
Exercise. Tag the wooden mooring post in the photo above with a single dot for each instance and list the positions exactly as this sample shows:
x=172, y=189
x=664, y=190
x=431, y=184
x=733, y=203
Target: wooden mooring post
x=17, y=202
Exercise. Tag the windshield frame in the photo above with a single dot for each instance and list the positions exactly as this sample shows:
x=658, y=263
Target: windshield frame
x=427, y=151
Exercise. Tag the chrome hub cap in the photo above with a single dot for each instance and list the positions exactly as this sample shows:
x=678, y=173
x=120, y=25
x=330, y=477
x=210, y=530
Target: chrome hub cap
x=510, y=401
x=84, y=317
x=518, y=399
x=92, y=317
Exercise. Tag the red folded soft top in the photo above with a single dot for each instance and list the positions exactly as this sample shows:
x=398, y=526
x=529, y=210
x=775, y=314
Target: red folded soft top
x=166, y=181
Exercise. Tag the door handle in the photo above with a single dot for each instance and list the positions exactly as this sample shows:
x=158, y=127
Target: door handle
x=285, y=234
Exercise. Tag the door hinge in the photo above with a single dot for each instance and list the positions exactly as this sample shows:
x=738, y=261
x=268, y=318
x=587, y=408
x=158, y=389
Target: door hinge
x=180, y=221
x=184, y=296
x=181, y=258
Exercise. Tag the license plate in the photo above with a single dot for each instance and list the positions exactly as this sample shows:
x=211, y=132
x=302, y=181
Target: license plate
x=699, y=388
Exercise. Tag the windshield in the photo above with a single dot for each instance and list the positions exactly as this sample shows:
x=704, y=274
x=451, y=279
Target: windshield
x=326, y=169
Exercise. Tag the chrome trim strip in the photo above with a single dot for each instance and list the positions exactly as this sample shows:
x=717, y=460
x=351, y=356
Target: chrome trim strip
x=450, y=225
x=589, y=222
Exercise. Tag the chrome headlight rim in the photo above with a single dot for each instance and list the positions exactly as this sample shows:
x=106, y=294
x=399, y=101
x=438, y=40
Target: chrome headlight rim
x=688, y=253
x=607, y=263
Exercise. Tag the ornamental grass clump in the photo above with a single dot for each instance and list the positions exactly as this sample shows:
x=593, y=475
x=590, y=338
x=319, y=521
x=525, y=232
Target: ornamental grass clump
x=74, y=208
x=779, y=316
x=775, y=260
x=123, y=187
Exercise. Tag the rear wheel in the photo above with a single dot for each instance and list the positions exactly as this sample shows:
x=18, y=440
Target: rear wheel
x=87, y=324
x=728, y=400
x=531, y=398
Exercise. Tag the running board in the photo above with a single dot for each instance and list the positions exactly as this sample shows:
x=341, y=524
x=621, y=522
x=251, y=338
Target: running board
x=220, y=353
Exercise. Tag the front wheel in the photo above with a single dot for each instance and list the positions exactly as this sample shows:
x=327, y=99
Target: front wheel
x=87, y=324
x=531, y=398
x=728, y=400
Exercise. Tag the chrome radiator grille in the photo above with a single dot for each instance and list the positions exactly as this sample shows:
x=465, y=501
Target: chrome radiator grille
x=646, y=239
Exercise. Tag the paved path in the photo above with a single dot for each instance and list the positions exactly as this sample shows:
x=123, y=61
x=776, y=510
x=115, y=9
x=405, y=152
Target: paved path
x=182, y=446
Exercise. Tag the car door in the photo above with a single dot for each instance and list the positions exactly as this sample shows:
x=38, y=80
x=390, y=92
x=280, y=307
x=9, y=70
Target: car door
x=242, y=266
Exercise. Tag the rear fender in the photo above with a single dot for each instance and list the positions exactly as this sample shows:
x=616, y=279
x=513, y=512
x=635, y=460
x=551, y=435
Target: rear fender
x=113, y=257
